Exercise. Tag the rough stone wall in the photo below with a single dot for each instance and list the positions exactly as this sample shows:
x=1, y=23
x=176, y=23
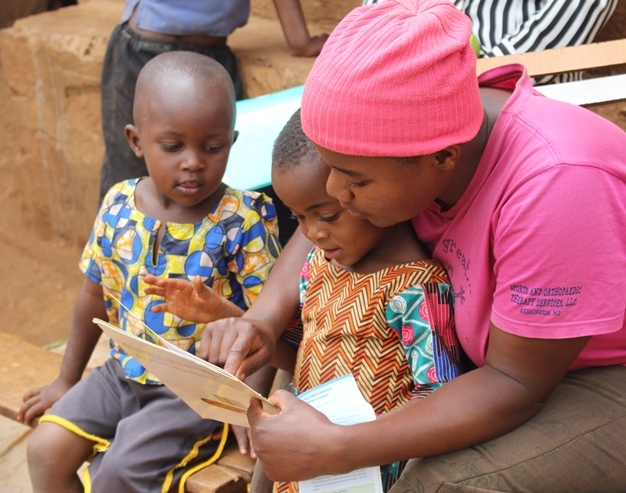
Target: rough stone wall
x=316, y=11
x=50, y=134
x=50, y=118
x=50, y=131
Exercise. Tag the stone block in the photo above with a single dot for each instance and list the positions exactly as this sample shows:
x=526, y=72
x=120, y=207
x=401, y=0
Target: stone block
x=315, y=11
x=50, y=70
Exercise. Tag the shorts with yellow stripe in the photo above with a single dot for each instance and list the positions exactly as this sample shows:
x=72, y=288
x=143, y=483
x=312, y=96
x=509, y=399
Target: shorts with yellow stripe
x=145, y=438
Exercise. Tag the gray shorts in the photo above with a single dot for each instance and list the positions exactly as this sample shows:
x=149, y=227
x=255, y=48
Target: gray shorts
x=146, y=437
x=576, y=444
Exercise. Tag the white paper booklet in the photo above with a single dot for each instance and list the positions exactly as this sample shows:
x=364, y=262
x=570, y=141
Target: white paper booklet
x=208, y=389
x=341, y=401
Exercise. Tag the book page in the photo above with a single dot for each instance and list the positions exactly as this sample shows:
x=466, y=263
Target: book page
x=341, y=401
x=124, y=311
x=208, y=389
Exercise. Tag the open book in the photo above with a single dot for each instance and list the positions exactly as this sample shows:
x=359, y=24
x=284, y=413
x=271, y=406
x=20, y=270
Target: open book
x=208, y=389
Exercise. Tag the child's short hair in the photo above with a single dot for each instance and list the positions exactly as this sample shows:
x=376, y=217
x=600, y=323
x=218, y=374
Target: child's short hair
x=187, y=64
x=181, y=64
x=292, y=145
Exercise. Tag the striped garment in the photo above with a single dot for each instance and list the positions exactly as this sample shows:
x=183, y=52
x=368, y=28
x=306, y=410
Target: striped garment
x=504, y=27
x=392, y=329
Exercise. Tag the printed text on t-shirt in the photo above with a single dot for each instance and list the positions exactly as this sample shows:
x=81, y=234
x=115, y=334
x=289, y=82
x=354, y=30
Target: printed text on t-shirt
x=548, y=301
x=450, y=246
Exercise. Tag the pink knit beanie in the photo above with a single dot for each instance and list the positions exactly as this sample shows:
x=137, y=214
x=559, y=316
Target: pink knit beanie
x=396, y=78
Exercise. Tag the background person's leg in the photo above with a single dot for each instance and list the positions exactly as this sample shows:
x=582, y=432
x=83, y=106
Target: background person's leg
x=576, y=444
x=122, y=63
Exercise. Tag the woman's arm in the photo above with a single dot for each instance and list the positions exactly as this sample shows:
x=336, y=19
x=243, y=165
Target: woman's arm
x=243, y=345
x=517, y=378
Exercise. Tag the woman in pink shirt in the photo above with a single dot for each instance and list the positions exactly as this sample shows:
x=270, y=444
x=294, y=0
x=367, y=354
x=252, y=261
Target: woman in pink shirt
x=523, y=200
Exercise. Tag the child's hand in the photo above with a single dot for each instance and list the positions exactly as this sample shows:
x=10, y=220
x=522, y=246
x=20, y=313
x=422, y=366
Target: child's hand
x=194, y=302
x=38, y=401
x=244, y=440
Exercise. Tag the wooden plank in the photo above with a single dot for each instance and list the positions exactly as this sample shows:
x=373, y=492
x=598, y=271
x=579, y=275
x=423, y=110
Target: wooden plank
x=589, y=91
x=23, y=366
x=231, y=474
x=561, y=60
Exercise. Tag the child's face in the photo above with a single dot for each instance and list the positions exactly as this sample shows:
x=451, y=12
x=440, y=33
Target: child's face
x=344, y=239
x=185, y=134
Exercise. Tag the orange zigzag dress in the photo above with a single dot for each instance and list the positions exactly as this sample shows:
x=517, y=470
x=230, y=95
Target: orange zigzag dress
x=393, y=330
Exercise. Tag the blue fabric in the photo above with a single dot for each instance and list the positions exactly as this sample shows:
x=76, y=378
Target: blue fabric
x=187, y=17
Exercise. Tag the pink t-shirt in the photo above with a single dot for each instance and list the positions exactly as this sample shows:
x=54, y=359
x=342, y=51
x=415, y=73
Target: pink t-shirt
x=537, y=243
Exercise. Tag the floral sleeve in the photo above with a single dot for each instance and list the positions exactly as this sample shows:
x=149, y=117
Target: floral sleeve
x=423, y=319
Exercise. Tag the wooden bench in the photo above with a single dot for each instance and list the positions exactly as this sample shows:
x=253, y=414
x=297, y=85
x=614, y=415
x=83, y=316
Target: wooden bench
x=24, y=366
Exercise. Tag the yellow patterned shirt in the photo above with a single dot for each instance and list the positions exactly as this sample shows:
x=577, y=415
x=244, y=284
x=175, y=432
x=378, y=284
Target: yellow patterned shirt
x=232, y=249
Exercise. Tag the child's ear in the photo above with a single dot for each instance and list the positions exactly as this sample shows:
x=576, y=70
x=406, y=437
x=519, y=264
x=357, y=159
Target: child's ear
x=134, y=139
x=235, y=136
x=447, y=158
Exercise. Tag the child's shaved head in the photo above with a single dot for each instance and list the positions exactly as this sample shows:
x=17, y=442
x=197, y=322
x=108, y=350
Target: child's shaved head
x=292, y=146
x=180, y=65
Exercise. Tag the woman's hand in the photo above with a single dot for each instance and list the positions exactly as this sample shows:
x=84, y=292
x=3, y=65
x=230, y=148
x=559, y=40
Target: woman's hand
x=246, y=344
x=520, y=374
x=296, y=444
x=242, y=346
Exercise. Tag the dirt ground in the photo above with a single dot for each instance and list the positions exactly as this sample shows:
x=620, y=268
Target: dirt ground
x=39, y=281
